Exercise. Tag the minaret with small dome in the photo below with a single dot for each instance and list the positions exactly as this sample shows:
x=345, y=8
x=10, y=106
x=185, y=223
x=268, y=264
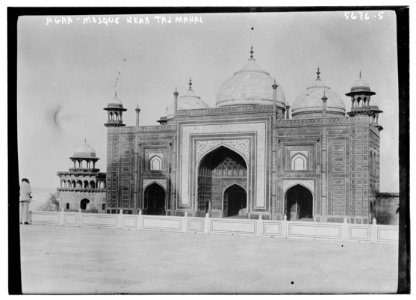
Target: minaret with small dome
x=360, y=94
x=115, y=111
x=83, y=186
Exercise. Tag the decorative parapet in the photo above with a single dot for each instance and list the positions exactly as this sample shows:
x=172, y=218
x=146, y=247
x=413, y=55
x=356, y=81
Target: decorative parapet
x=133, y=129
x=312, y=122
x=82, y=190
x=226, y=110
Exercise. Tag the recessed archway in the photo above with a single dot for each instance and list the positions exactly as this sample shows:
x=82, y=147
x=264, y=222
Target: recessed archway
x=299, y=203
x=154, y=200
x=235, y=201
x=217, y=170
x=84, y=204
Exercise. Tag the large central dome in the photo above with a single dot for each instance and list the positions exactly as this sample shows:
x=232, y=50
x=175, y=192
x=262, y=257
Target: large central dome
x=251, y=85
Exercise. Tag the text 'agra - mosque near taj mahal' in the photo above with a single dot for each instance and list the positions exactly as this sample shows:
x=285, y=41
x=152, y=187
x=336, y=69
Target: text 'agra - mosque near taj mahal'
x=251, y=155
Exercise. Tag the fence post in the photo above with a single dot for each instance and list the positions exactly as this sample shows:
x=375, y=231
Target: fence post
x=185, y=222
x=79, y=216
x=345, y=230
x=119, y=218
x=61, y=217
x=139, y=221
x=374, y=231
x=260, y=226
x=206, y=224
x=284, y=227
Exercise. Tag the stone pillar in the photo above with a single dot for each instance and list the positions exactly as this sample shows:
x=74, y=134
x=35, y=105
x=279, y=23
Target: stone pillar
x=324, y=177
x=373, y=234
x=206, y=224
x=284, y=227
x=185, y=222
x=140, y=221
x=345, y=230
x=260, y=226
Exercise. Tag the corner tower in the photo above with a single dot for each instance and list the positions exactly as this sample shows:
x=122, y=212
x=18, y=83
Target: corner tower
x=365, y=150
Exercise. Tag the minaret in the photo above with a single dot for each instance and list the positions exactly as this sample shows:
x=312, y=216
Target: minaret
x=324, y=155
x=360, y=94
x=365, y=150
x=324, y=99
x=115, y=113
x=287, y=110
x=115, y=108
x=137, y=115
x=175, y=103
x=274, y=86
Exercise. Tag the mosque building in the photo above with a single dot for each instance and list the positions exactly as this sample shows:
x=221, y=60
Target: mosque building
x=83, y=186
x=250, y=155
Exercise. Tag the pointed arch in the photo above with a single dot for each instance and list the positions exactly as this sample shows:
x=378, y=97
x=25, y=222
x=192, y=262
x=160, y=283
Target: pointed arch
x=299, y=203
x=217, y=170
x=155, y=163
x=212, y=149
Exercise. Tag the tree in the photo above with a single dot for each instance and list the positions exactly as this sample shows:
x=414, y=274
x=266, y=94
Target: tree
x=51, y=204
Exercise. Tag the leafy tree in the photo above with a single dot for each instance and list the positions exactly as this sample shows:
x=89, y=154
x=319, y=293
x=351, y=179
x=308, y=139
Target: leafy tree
x=51, y=204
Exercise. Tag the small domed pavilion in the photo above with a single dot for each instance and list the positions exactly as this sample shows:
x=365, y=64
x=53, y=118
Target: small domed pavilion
x=83, y=186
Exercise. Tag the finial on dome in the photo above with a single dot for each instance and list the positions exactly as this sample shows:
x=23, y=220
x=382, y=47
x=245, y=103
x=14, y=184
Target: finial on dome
x=85, y=140
x=360, y=74
x=190, y=84
x=318, y=73
x=251, y=52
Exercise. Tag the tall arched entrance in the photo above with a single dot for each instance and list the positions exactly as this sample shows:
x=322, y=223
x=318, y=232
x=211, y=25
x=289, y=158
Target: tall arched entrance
x=154, y=200
x=235, y=201
x=299, y=203
x=84, y=204
x=219, y=169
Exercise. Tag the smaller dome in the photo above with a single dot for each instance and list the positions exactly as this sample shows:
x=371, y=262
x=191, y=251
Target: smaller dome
x=115, y=104
x=84, y=151
x=187, y=101
x=190, y=100
x=309, y=103
x=360, y=86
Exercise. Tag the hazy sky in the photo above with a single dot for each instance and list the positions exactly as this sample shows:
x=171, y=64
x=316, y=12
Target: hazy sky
x=66, y=74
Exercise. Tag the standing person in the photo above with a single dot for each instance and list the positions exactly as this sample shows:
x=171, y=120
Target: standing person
x=25, y=197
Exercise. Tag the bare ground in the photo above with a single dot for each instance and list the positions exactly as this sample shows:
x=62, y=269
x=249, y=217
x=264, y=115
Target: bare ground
x=72, y=260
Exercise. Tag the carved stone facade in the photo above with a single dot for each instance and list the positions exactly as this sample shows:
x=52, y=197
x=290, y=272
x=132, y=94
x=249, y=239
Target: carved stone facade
x=340, y=179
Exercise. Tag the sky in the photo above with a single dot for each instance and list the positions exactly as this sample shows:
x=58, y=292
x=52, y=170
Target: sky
x=67, y=72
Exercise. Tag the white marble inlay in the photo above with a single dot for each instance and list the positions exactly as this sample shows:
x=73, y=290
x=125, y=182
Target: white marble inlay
x=147, y=182
x=306, y=183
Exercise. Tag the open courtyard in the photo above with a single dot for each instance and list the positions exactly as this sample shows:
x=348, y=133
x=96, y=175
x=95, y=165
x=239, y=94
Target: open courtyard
x=73, y=260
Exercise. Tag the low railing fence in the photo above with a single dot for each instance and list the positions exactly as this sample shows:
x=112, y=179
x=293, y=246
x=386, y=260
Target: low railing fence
x=265, y=228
